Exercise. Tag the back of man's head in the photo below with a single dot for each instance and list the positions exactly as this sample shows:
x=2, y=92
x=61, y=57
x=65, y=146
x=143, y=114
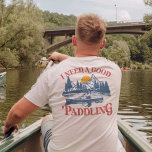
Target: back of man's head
x=90, y=28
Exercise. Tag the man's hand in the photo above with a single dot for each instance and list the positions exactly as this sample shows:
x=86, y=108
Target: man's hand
x=18, y=113
x=6, y=128
x=58, y=57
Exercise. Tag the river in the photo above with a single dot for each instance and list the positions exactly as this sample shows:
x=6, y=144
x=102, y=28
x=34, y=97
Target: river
x=135, y=98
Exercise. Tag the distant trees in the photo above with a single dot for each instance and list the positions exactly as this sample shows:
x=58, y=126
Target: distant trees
x=148, y=2
x=22, y=26
x=55, y=19
x=126, y=49
x=21, y=33
x=146, y=40
x=117, y=50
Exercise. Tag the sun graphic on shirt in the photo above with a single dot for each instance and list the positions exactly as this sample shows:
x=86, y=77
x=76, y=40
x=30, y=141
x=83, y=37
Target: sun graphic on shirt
x=85, y=79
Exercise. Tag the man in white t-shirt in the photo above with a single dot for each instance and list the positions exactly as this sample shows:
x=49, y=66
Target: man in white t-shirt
x=83, y=92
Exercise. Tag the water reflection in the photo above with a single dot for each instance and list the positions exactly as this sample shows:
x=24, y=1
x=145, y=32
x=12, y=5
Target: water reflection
x=18, y=83
x=136, y=101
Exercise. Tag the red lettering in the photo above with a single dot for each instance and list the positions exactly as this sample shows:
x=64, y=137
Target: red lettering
x=101, y=71
x=81, y=69
x=77, y=70
x=80, y=111
x=62, y=76
x=94, y=69
x=98, y=70
x=87, y=70
x=73, y=112
x=67, y=74
x=102, y=111
x=86, y=111
x=109, y=109
x=72, y=71
x=91, y=112
x=67, y=110
x=105, y=72
x=108, y=74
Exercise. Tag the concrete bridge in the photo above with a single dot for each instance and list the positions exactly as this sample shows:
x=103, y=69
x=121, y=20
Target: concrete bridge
x=124, y=28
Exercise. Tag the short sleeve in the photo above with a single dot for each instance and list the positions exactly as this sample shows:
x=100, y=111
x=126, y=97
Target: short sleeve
x=38, y=94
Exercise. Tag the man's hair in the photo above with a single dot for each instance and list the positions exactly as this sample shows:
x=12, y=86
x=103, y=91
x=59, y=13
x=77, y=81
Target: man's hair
x=90, y=28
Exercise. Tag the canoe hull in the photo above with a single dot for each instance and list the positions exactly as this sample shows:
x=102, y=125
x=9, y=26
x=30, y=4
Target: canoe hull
x=34, y=144
x=30, y=140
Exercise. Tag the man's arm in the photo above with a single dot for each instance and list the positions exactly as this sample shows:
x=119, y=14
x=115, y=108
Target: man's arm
x=18, y=113
x=58, y=57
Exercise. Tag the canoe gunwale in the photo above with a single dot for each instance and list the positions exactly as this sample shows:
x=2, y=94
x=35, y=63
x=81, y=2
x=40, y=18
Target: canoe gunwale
x=133, y=137
x=23, y=135
x=20, y=137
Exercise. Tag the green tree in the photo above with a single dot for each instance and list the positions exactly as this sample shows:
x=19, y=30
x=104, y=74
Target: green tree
x=8, y=59
x=117, y=55
x=21, y=30
x=55, y=19
x=148, y=2
x=148, y=18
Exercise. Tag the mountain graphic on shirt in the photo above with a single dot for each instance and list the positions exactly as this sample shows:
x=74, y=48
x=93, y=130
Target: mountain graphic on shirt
x=87, y=91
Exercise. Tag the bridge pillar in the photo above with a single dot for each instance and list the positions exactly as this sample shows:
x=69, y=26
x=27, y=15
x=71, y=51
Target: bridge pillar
x=66, y=36
x=51, y=39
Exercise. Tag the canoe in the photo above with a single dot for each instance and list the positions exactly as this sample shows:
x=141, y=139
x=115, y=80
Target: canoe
x=2, y=79
x=126, y=69
x=30, y=140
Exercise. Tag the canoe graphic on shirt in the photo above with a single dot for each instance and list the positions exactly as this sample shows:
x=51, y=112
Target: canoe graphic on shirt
x=87, y=91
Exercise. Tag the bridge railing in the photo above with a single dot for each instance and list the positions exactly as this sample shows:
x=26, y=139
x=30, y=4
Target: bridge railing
x=108, y=24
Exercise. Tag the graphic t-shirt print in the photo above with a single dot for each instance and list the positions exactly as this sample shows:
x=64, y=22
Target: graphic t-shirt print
x=85, y=92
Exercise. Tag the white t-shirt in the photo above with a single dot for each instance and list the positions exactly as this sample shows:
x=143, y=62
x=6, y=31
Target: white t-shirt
x=84, y=96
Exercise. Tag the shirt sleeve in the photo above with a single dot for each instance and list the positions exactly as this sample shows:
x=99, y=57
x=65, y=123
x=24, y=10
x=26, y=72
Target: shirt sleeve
x=38, y=94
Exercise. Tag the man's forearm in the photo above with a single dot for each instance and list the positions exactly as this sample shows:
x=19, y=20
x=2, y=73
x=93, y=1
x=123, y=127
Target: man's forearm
x=58, y=57
x=19, y=112
x=63, y=57
x=13, y=118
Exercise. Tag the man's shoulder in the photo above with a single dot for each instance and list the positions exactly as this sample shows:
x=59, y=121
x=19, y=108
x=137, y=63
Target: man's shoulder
x=109, y=62
x=56, y=67
x=112, y=64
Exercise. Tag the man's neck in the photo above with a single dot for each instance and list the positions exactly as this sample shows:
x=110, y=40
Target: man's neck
x=85, y=53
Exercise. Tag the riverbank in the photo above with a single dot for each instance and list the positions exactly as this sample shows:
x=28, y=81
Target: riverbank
x=43, y=64
x=141, y=66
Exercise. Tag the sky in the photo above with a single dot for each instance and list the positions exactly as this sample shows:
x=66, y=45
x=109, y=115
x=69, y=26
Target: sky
x=127, y=10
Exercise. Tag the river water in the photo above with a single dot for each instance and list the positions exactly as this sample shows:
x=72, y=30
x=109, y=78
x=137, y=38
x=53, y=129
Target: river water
x=135, y=98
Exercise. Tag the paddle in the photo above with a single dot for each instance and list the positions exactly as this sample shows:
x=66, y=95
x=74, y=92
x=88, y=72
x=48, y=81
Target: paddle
x=8, y=133
x=51, y=62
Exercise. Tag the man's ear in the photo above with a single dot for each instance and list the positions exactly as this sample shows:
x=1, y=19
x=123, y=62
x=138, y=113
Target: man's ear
x=74, y=41
x=103, y=44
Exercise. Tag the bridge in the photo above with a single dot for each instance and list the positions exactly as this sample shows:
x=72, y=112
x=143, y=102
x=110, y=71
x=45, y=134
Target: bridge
x=123, y=28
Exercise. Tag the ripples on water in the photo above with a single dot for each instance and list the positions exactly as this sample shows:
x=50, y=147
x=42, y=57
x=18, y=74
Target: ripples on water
x=18, y=83
x=135, y=99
